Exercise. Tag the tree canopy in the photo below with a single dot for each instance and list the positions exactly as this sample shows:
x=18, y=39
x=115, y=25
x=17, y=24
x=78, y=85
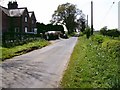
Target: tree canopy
x=42, y=28
x=110, y=32
x=70, y=16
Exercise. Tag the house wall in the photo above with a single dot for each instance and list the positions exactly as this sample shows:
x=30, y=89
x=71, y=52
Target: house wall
x=25, y=24
x=5, y=22
x=0, y=20
x=14, y=22
x=33, y=22
x=0, y=28
x=19, y=22
x=30, y=22
x=9, y=23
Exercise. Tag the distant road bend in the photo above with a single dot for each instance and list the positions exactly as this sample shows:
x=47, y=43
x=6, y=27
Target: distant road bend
x=42, y=68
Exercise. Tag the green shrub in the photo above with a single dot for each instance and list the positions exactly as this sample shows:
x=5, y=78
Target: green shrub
x=97, y=38
x=81, y=33
x=88, y=32
x=22, y=49
x=103, y=30
x=113, y=33
x=112, y=47
x=110, y=32
x=72, y=34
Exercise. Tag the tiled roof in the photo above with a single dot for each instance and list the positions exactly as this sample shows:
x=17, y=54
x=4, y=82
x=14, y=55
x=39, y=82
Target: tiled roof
x=13, y=12
x=5, y=10
x=16, y=12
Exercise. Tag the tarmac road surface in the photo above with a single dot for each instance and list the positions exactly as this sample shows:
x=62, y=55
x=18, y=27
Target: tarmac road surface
x=41, y=68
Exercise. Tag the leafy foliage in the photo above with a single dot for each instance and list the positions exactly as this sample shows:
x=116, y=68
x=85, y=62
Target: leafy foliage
x=92, y=66
x=42, y=28
x=87, y=32
x=68, y=15
x=11, y=39
x=103, y=30
x=21, y=49
x=112, y=47
x=98, y=38
x=113, y=33
x=110, y=32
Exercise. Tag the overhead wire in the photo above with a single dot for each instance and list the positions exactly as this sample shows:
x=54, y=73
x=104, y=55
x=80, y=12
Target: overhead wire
x=108, y=11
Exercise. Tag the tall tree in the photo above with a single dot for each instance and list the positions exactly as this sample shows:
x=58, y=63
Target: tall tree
x=68, y=15
x=41, y=28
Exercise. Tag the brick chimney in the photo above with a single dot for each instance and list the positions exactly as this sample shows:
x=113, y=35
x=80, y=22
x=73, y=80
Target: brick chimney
x=12, y=5
x=9, y=5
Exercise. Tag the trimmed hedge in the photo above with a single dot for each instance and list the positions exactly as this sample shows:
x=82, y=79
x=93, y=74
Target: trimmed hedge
x=10, y=39
x=22, y=49
x=110, y=32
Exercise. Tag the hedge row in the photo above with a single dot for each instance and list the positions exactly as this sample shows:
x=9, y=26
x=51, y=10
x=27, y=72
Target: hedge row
x=112, y=32
x=10, y=39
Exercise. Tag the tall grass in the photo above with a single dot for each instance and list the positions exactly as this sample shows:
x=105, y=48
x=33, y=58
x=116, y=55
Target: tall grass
x=21, y=49
x=92, y=66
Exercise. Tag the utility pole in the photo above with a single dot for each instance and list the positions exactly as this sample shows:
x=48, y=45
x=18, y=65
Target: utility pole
x=91, y=17
x=87, y=20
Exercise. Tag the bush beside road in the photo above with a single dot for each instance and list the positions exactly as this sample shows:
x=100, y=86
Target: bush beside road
x=22, y=49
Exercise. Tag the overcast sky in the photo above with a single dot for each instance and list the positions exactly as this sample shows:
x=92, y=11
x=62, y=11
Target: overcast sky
x=105, y=12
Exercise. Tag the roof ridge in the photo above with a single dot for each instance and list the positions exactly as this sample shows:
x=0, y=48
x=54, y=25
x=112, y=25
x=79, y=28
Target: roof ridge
x=4, y=7
x=22, y=8
x=31, y=12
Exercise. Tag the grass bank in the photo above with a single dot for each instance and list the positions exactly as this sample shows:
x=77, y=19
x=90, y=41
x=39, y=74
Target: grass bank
x=92, y=65
x=21, y=49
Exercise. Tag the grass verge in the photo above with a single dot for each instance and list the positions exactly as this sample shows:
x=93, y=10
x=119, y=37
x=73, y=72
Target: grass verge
x=22, y=49
x=91, y=66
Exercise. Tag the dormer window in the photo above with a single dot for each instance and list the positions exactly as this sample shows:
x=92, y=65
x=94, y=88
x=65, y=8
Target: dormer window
x=26, y=19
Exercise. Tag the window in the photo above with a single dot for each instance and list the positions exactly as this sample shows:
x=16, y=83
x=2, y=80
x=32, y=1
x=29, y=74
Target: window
x=26, y=19
x=35, y=30
x=26, y=29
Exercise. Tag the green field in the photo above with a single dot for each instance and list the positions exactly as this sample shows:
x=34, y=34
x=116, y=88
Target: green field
x=21, y=49
x=94, y=64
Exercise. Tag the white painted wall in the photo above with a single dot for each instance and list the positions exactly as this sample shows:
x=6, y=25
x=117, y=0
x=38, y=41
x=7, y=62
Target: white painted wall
x=119, y=15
